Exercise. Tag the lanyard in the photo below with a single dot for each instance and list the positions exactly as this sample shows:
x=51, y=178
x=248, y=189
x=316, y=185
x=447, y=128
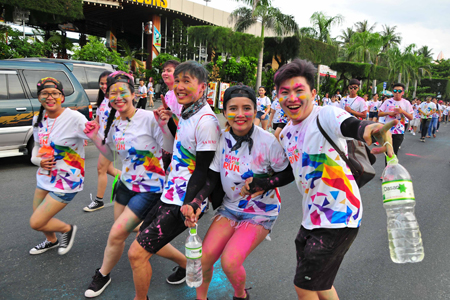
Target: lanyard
x=51, y=129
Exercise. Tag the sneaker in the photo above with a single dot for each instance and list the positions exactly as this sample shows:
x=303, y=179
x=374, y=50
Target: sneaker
x=67, y=240
x=98, y=284
x=413, y=133
x=179, y=276
x=428, y=136
x=44, y=246
x=434, y=135
x=94, y=205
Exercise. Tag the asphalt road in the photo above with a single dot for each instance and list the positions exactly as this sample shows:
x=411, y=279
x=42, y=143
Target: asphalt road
x=366, y=273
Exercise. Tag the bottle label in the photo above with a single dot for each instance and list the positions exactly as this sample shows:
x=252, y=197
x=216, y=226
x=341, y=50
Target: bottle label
x=193, y=253
x=396, y=190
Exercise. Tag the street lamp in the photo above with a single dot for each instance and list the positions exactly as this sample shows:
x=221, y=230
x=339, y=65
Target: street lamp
x=207, y=2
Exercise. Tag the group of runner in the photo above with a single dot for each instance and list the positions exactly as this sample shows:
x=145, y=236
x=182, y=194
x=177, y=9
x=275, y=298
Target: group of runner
x=238, y=168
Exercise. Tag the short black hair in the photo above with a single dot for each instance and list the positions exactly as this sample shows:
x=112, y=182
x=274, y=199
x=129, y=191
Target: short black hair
x=399, y=84
x=192, y=68
x=298, y=67
x=171, y=62
x=375, y=94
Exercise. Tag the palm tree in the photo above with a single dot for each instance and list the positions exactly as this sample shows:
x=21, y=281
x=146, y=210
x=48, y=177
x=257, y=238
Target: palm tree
x=270, y=18
x=420, y=66
x=400, y=63
x=364, y=26
x=365, y=45
x=130, y=55
x=308, y=32
x=390, y=37
x=346, y=38
x=322, y=25
x=425, y=52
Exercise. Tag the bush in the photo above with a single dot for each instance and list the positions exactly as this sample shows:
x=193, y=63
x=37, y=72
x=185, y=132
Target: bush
x=96, y=51
x=317, y=52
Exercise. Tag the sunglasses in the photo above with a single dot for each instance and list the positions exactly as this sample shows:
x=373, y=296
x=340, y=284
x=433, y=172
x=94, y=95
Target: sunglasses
x=353, y=87
x=397, y=91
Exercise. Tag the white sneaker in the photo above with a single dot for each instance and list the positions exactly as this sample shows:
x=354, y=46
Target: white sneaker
x=413, y=133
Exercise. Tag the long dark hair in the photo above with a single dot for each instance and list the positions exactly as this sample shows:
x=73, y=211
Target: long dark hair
x=39, y=118
x=111, y=117
x=101, y=95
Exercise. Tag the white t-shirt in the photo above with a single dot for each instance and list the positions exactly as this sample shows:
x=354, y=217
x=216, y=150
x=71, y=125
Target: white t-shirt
x=65, y=135
x=142, y=90
x=357, y=104
x=389, y=105
x=427, y=108
x=374, y=105
x=267, y=156
x=331, y=197
x=103, y=113
x=438, y=109
x=262, y=104
x=416, y=111
x=445, y=111
x=326, y=101
x=138, y=143
x=175, y=107
x=198, y=133
x=280, y=116
x=335, y=104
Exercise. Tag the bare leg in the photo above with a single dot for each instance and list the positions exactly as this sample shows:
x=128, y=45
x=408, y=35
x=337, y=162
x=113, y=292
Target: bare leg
x=42, y=217
x=120, y=230
x=214, y=242
x=264, y=124
x=172, y=253
x=245, y=239
x=257, y=121
x=277, y=133
x=330, y=294
x=142, y=270
x=102, y=167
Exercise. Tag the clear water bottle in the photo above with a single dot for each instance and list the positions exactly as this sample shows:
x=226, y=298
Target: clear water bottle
x=194, y=273
x=405, y=241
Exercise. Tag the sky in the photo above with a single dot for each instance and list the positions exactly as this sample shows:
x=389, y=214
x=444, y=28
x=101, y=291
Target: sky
x=419, y=22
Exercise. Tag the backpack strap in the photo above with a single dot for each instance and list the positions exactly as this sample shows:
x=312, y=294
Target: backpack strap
x=338, y=150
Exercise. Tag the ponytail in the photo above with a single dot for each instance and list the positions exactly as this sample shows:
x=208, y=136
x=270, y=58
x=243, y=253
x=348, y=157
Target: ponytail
x=39, y=118
x=111, y=117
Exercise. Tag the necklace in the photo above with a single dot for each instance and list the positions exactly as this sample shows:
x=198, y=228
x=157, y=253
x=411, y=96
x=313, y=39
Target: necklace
x=47, y=135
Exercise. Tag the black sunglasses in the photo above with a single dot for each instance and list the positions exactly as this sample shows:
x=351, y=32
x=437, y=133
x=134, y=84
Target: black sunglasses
x=353, y=87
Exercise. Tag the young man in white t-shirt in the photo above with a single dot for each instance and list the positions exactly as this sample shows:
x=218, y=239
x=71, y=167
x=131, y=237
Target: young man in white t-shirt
x=354, y=104
x=426, y=110
x=399, y=109
x=416, y=116
x=195, y=144
x=374, y=105
x=332, y=207
x=142, y=103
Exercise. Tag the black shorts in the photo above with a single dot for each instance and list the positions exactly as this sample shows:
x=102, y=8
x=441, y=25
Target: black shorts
x=319, y=256
x=373, y=114
x=278, y=125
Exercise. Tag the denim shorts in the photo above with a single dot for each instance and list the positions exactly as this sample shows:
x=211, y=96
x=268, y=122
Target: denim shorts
x=60, y=196
x=240, y=218
x=139, y=203
x=259, y=115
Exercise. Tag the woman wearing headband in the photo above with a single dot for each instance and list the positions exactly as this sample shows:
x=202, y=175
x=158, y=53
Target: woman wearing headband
x=59, y=152
x=247, y=156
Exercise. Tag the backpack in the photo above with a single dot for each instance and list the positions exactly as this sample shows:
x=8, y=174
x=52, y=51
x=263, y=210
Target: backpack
x=359, y=160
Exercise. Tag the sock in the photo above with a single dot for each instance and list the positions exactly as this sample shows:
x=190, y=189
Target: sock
x=97, y=198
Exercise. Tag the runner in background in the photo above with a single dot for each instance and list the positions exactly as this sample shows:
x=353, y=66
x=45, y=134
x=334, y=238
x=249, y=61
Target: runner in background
x=150, y=91
x=278, y=119
x=263, y=108
x=104, y=166
x=142, y=103
x=415, y=123
x=354, y=104
x=445, y=112
x=374, y=105
x=59, y=153
x=326, y=100
x=434, y=119
x=426, y=110
x=334, y=102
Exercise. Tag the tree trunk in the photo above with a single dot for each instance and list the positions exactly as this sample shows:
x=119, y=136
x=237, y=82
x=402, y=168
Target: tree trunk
x=407, y=86
x=415, y=88
x=399, y=77
x=260, y=59
x=374, y=86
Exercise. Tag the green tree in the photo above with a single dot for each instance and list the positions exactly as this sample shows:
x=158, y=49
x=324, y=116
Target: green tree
x=322, y=25
x=426, y=52
x=390, y=37
x=95, y=50
x=270, y=18
x=400, y=63
x=131, y=56
x=179, y=44
x=363, y=26
x=365, y=46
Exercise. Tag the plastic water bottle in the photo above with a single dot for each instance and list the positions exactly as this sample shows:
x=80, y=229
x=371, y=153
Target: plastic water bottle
x=194, y=273
x=405, y=241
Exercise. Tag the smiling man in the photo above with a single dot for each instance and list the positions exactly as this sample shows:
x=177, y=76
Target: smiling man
x=332, y=207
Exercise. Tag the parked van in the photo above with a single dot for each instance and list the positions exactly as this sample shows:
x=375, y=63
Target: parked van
x=19, y=101
x=87, y=73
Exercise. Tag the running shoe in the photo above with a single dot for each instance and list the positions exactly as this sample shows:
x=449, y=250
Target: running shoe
x=98, y=284
x=67, y=240
x=179, y=276
x=44, y=246
x=413, y=133
x=428, y=136
x=434, y=135
x=94, y=205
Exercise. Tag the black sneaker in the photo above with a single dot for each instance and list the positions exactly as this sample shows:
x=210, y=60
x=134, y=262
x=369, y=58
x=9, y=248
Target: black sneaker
x=179, y=276
x=67, y=240
x=98, y=284
x=44, y=246
x=94, y=205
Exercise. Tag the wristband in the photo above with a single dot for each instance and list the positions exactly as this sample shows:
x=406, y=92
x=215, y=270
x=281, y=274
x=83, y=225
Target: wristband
x=194, y=206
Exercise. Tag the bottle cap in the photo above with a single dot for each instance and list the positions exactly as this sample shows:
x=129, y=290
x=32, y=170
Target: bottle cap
x=193, y=230
x=392, y=160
